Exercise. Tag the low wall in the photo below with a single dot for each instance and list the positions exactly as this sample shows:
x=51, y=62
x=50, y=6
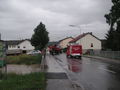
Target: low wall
x=107, y=54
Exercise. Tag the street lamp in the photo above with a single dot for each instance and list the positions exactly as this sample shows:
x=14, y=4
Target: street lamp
x=77, y=26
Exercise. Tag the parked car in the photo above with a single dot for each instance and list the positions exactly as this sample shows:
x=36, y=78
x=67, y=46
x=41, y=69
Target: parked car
x=34, y=52
x=74, y=51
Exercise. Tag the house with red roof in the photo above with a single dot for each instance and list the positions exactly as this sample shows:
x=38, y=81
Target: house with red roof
x=88, y=41
x=64, y=42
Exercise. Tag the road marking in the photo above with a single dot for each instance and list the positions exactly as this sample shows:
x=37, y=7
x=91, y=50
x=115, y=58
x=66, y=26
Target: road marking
x=107, y=70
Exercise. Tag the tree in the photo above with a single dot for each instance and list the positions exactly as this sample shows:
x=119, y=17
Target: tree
x=40, y=37
x=113, y=19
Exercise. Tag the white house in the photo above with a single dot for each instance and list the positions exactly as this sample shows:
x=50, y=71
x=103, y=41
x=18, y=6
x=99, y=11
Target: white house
x=88, y=41
x=23, y=45
x=64, y=42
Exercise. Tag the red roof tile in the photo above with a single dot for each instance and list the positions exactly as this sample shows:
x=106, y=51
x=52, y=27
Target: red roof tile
x=79, y=37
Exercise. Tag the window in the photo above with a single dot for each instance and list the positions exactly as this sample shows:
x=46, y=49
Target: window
x=9, y=46
x=24, y=47
x=18, y=46
x=91, y=44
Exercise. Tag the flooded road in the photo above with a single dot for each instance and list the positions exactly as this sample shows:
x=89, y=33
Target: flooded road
x=92, y=74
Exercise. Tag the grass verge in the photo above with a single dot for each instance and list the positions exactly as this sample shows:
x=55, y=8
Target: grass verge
x=24, y=59
x=33, y=81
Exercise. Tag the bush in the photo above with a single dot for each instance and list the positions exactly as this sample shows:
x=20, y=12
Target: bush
x=33, y=81
x=24, y=59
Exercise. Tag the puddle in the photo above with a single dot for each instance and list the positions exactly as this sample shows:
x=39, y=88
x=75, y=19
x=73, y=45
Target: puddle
x=23, y=69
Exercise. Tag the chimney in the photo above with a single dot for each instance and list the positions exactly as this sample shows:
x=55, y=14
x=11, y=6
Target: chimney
x=90, y=33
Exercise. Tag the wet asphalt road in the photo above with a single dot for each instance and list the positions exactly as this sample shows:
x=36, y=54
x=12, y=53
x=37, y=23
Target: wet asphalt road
x=91, y=74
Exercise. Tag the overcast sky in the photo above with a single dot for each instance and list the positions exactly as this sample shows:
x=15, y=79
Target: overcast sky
x=18, y=18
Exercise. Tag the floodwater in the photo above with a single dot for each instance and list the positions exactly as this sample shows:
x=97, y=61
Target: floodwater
x=23, y=69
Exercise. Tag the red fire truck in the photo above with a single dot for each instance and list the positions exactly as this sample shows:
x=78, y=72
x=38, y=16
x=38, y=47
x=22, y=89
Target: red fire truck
x=54, y=49
x=74, y=51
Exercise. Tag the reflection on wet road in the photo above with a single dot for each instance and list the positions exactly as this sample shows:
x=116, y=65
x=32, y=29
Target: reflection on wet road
x=93, y=74
x=74, y=65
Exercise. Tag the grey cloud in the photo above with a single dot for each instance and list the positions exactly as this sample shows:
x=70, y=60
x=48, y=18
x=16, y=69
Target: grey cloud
x=20, y=17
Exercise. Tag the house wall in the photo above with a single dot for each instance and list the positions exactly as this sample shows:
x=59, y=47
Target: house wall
x=25, y=45
x=65, y=42
x=12, y=47
x=88, y=40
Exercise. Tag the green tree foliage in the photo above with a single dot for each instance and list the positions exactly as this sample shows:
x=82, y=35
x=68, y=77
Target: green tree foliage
x=113, y=19
x=40, y=37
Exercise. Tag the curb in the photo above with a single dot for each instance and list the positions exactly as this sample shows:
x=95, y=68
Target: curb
x=104, y=59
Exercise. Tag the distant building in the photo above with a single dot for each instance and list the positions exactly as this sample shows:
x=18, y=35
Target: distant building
x=53, y=43
x=64, y=42
x=19, y=46
x=88, y=42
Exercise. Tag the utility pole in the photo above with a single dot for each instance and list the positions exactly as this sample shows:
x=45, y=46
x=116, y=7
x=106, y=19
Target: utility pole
x=0, y=36
x=76, y=27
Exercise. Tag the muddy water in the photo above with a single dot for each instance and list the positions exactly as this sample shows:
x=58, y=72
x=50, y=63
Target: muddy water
x=23, y=69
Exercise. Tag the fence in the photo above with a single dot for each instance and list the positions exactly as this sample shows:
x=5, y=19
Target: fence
x=107, y=54
x=3, y=69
